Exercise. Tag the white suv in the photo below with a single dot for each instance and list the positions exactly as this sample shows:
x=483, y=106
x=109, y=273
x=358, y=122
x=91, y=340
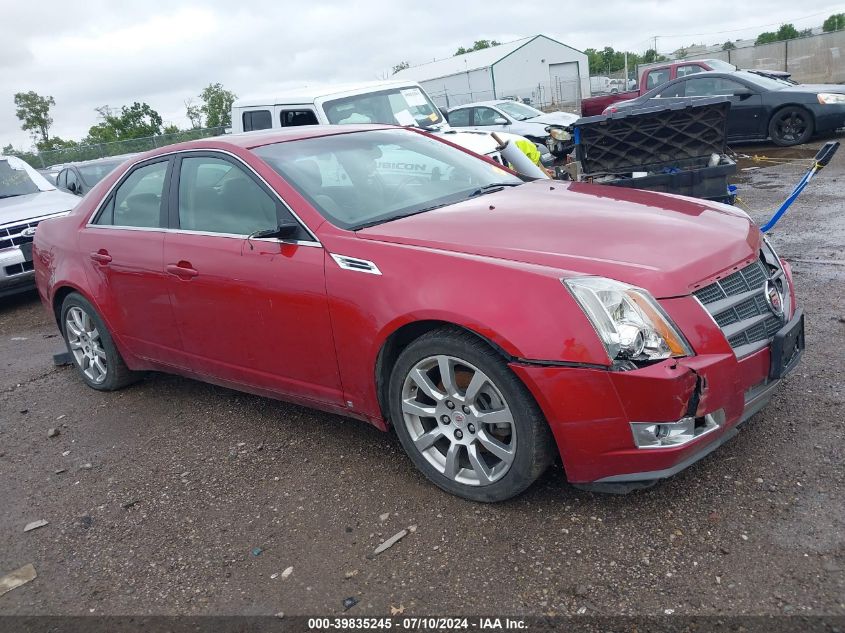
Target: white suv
x=389, y=102
x=26, y=198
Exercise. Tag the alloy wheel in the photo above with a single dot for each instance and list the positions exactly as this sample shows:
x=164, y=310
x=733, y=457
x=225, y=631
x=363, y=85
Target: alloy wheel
x=791, y=126
x=85, y=344
x=459, y=420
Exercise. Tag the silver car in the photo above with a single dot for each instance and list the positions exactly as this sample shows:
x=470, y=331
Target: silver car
x=26, y=198
x=514, y=117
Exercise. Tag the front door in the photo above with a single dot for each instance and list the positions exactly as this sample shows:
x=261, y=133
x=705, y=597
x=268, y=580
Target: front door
x=746, y=118
x=250, y=311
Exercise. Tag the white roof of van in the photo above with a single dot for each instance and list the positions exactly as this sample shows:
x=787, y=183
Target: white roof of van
x=307, y=94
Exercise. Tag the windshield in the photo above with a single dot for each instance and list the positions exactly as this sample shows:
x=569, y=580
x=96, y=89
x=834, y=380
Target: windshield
x=15, y=181
x=396, y=106
x=718, y=64
x=366, y=178
x=518, y=111
x=767, y=82
x=95, y=172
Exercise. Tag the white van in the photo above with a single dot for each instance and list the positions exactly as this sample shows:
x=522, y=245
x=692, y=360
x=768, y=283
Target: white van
x=389, y=102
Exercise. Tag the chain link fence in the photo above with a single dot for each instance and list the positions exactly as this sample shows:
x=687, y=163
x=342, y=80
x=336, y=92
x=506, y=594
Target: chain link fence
x=41, y=160
x=551, y=95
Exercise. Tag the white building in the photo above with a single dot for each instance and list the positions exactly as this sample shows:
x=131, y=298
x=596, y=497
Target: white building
x=537, y=68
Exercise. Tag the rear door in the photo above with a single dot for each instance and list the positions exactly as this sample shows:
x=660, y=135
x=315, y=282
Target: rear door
x=123, y=247
x=250, y=311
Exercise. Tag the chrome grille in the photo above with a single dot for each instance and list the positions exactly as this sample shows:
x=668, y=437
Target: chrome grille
x=10, y=234
x=738, y=305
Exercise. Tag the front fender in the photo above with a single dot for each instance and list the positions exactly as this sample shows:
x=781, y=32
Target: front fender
x=523, y=309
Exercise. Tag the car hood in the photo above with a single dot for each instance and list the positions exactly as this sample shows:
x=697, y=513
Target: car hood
x=478, y=142
x=834, y=88
x=554, y=118
x=35, y=205
x=664, y=243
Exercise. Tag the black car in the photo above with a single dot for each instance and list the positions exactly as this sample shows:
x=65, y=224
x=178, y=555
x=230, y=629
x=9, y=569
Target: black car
x=79, y=177
x=761, y=106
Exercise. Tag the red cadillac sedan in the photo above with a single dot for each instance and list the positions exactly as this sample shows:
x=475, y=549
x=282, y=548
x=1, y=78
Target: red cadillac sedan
x=493, y=322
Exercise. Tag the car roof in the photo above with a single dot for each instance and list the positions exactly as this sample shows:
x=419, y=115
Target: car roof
x=308, y=94
x=105, y=159
x=480, y=103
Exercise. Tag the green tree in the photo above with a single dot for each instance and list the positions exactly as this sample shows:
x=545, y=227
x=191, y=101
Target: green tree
x=194, y=114
x=400, y=66
x=217, y=105
x=170, y=128
x=477, y=46
x=728, y=46
x=136, y=121
x=651, y=56
x=785, y=32
x=55, y=143
x=835, y=22
x=34, y=112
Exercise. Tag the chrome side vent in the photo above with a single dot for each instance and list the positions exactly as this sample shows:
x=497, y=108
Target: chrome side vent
x=355, y=264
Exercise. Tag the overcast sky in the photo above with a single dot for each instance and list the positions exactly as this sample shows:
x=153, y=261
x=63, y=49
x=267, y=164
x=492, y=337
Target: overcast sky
x=115, y=52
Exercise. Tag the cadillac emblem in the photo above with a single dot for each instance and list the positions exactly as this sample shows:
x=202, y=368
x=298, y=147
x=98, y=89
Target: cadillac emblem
x=774, y=298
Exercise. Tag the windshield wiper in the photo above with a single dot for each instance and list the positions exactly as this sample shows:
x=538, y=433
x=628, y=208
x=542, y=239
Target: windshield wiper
x=11, y=195
x=492, y=188
x=399, y=217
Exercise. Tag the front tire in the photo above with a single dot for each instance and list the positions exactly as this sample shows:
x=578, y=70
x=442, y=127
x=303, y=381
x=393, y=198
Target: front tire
x=465, y=420
x=791, y=126
x=91, y=346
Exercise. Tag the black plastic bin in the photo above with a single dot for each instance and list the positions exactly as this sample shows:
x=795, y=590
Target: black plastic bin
x=673, y=144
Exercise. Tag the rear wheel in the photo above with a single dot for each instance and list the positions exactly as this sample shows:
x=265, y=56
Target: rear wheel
x=91, y=346
x=791, y=126
x=465, y=420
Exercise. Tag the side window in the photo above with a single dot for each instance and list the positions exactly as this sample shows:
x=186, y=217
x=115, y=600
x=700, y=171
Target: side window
x=217, y=196
x=459, y=118
x=486, y=116
x=711, y=87
x=61, y=179
x=673, y=91
x=257, y=120
x=137, y=201
x=297, y=117
x=657, y=78
x=689, y=69
x=72, y=180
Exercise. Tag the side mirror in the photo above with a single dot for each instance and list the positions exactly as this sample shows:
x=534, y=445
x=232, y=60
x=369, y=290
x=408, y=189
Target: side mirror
x=285, y=231
x=743, y=92
x=500, y=121
x=72, y=187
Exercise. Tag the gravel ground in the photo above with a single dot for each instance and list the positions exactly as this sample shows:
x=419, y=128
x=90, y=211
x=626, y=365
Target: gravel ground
x=176, y=497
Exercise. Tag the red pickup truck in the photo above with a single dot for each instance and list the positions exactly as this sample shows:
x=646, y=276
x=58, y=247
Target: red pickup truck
x=652, y=77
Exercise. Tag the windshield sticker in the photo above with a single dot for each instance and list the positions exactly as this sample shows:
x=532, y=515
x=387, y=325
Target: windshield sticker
x=403, y=117
x=414, y=97
x=433, y=116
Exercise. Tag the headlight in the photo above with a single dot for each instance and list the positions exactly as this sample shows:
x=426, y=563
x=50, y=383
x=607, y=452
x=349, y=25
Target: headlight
x=829, y=98
x=559, y=134
x=630, y=323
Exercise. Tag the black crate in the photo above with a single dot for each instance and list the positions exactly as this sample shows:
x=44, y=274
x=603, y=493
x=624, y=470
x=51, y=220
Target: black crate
x=673, y=144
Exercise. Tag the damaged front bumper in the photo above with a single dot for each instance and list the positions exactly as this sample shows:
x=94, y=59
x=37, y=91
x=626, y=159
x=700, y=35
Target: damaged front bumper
x=621, y=430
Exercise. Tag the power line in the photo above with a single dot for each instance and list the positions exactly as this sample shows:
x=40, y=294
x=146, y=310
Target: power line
x=747, y=28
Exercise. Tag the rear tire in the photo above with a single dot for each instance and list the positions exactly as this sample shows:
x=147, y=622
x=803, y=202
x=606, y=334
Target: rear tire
x=478, y=434
x=91, y=346
x=791, y=126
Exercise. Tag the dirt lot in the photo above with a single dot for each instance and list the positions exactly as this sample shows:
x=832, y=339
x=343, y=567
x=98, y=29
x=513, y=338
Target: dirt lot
x=198, y=498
